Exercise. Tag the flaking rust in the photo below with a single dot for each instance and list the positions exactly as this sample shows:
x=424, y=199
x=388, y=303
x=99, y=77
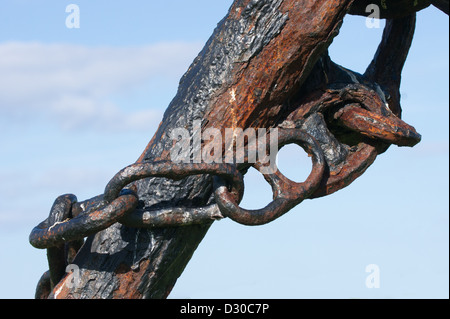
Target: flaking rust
x=265, y=66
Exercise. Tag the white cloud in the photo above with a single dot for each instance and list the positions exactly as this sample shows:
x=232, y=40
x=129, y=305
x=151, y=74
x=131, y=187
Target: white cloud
x=76, y=84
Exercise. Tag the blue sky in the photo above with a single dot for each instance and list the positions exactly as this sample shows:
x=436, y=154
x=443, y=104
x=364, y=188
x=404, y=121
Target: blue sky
x=77, y=105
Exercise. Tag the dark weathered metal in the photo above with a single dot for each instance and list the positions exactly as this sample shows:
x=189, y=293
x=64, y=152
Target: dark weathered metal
x=47, y=235
x=265, y=66
x=43, y=288
x=441, y=5
x=390, y=130
x=389, y=9
x=394, y=9
x=387, y=65
x=246, y=40
x=172, y=216
x=287, y=194
x=168, y=169
x=116, y=204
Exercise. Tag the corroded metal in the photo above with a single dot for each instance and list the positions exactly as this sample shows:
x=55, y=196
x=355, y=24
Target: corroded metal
x=387, y=129
x=265, y=66
x=47, y=235
x=117, y=203
x=390, y=9
x=287, y=194
x=441, y=5
x=173, y=171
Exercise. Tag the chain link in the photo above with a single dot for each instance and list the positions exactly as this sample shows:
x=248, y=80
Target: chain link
x=119, y=204
x=360, y=109
x=354, y=107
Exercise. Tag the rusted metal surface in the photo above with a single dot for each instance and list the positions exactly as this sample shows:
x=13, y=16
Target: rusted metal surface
x=287, y=194
x=117, y=203
x=386, y=67
x=388, y=129
x=173, y=171
x=265, y=66
x=262, y=83
x=47, y=235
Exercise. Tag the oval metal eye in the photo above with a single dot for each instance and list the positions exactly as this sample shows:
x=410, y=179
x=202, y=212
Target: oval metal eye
x=287, y=194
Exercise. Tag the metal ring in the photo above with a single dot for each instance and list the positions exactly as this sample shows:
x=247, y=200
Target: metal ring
x=174, y=171
x=47, y=235
x=119, y=202
x=287, y=194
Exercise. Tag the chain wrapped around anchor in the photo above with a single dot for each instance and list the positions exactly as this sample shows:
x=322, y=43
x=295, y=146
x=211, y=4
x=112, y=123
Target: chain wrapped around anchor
x=119, y=204
x=71, y=221
x=342, y=125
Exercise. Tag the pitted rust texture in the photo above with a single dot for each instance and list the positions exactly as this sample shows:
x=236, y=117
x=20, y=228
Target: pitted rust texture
x=389, y=130
x=262, y=84
x=266, y=66
x=350, y=147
